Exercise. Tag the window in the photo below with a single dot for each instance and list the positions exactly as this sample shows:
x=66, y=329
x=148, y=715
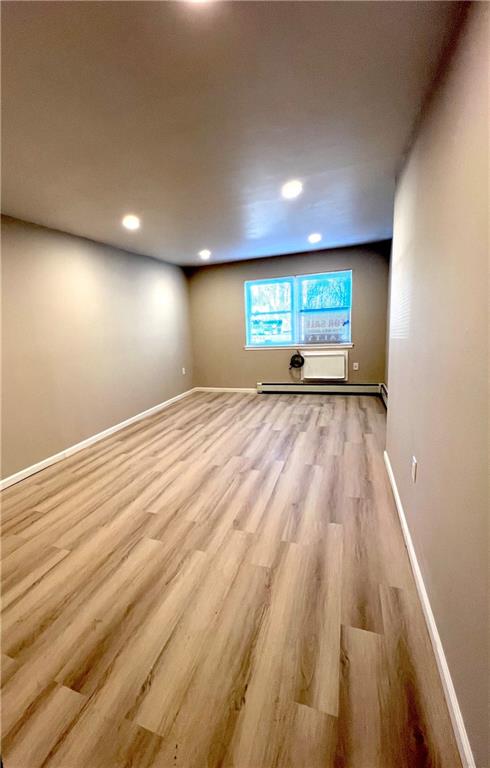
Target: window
x=270, y=312
x=307, y=309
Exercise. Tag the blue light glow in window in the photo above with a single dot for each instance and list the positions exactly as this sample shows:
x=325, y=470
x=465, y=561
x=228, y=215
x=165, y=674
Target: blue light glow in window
x=307, y=309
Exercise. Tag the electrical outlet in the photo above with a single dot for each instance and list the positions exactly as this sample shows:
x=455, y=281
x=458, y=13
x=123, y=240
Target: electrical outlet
x=183, y=371
x=355, y=366
x=414, y=469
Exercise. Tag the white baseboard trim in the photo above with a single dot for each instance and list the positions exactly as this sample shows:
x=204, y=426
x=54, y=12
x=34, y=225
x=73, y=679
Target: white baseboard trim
x=23, y=473
x=447, y=683
x=226, y=389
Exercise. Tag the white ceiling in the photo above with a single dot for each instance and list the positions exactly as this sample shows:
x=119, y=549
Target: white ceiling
x=192, y=115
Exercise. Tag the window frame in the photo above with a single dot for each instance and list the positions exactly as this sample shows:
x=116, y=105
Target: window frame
x=295, y=312
x=248, y=314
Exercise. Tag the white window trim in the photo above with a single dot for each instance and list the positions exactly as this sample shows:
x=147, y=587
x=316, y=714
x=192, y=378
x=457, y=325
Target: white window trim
x=299, y=346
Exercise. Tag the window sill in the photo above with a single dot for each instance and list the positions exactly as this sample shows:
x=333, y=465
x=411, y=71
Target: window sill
x=301, y=346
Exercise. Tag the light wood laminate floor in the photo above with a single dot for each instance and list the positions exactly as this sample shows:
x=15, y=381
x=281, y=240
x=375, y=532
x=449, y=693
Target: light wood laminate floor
x=222, y=584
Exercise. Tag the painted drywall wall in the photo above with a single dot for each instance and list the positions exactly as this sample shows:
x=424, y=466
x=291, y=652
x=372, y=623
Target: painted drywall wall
x=438, y=363
x=91, y=335
x=218, y=316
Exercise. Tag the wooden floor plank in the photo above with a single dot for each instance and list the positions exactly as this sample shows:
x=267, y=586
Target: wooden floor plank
x=267, y=716
x=364, y=737
x=412, y=674
x=223, y=583
x=35, y=735
x=319, y=646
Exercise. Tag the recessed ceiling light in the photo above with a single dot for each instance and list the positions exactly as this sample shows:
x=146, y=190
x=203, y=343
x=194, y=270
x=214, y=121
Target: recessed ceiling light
x=315, y=237
x=131, y=221
x=291, y=189
x=205, y=254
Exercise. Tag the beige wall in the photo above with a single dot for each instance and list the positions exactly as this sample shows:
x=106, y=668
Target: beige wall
x=91, y=335
x=218, y=316
x=438, y=374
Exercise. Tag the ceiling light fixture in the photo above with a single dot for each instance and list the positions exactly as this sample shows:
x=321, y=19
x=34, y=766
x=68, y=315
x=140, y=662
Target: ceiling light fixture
x=130, y=221
x=205, y=254
x=315, y=237
x=291, y=189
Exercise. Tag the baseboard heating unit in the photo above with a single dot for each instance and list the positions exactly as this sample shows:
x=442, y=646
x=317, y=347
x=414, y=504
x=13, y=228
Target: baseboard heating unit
x=309, y=388
x=384, y=394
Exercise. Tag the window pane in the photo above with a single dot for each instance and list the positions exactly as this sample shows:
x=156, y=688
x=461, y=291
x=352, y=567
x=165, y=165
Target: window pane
x=325, y=327
x=307, y=309
x=270, y=329
x=328, y=291
x=270, y=297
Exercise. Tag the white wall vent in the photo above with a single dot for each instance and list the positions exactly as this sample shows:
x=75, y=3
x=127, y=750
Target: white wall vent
x=325, y=365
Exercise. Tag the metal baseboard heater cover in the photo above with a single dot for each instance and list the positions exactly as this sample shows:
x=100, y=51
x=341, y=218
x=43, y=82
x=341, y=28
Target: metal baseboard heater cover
x=383, y=391
x=338, y=388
